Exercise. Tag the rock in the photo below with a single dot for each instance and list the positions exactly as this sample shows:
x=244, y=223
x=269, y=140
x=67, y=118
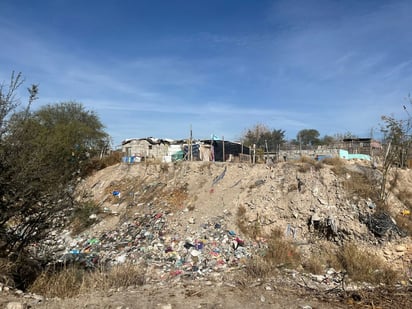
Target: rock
x=400, y=248
x=387, y=252
x=37, y=298
x=318, y=278
x=15, y=305
x=322, y=201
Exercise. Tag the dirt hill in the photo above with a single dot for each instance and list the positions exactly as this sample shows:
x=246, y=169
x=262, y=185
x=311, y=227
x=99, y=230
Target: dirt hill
x=283, y=196
x=196, y=225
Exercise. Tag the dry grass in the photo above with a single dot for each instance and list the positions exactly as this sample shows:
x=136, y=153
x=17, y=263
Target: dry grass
x=360, y=265
x=322, y=258
x=257, y=268
x=306, y=164
x=338, y=165
x=404, y=222
x=66, y=283
x=359, y=184
x=251, y=229
x=335, y=161
x=304, y=168
x=306, y=159
x=280, y=251
x=73, y=281
x=314, y=264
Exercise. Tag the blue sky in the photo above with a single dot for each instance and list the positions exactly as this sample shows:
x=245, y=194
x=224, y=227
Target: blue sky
x=155, y=68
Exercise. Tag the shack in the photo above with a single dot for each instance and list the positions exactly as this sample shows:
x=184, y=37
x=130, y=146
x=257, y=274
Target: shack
x=222, y=151
x=139, y=149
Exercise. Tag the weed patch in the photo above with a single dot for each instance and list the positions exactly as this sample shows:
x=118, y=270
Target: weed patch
x=360, y=185
x=280, y=251
x=252, y=229
x=360, y=265
x=72, y=281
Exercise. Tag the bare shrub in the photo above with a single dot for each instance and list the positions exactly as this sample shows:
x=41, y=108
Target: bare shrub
x=251, y=229
x=280, y=251
x=63, y=284
x=257, y=267
x=362, y=266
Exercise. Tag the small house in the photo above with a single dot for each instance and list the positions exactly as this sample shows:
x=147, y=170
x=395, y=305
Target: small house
x=145, y=148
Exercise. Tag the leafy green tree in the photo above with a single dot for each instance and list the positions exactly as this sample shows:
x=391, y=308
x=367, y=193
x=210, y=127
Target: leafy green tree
x=42, y=155
x=308, y=137
x=263, y=137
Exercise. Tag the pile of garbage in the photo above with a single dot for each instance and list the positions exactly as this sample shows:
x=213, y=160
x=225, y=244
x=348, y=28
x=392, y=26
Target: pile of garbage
x=151, y=239
x=382, y=224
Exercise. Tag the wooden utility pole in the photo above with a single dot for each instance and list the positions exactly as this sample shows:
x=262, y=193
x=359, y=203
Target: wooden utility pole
x=190, y=145
x=223, y=145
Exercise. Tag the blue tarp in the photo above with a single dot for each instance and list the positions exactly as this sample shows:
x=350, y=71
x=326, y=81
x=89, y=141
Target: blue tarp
x=344, y=154
x=128, y=159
